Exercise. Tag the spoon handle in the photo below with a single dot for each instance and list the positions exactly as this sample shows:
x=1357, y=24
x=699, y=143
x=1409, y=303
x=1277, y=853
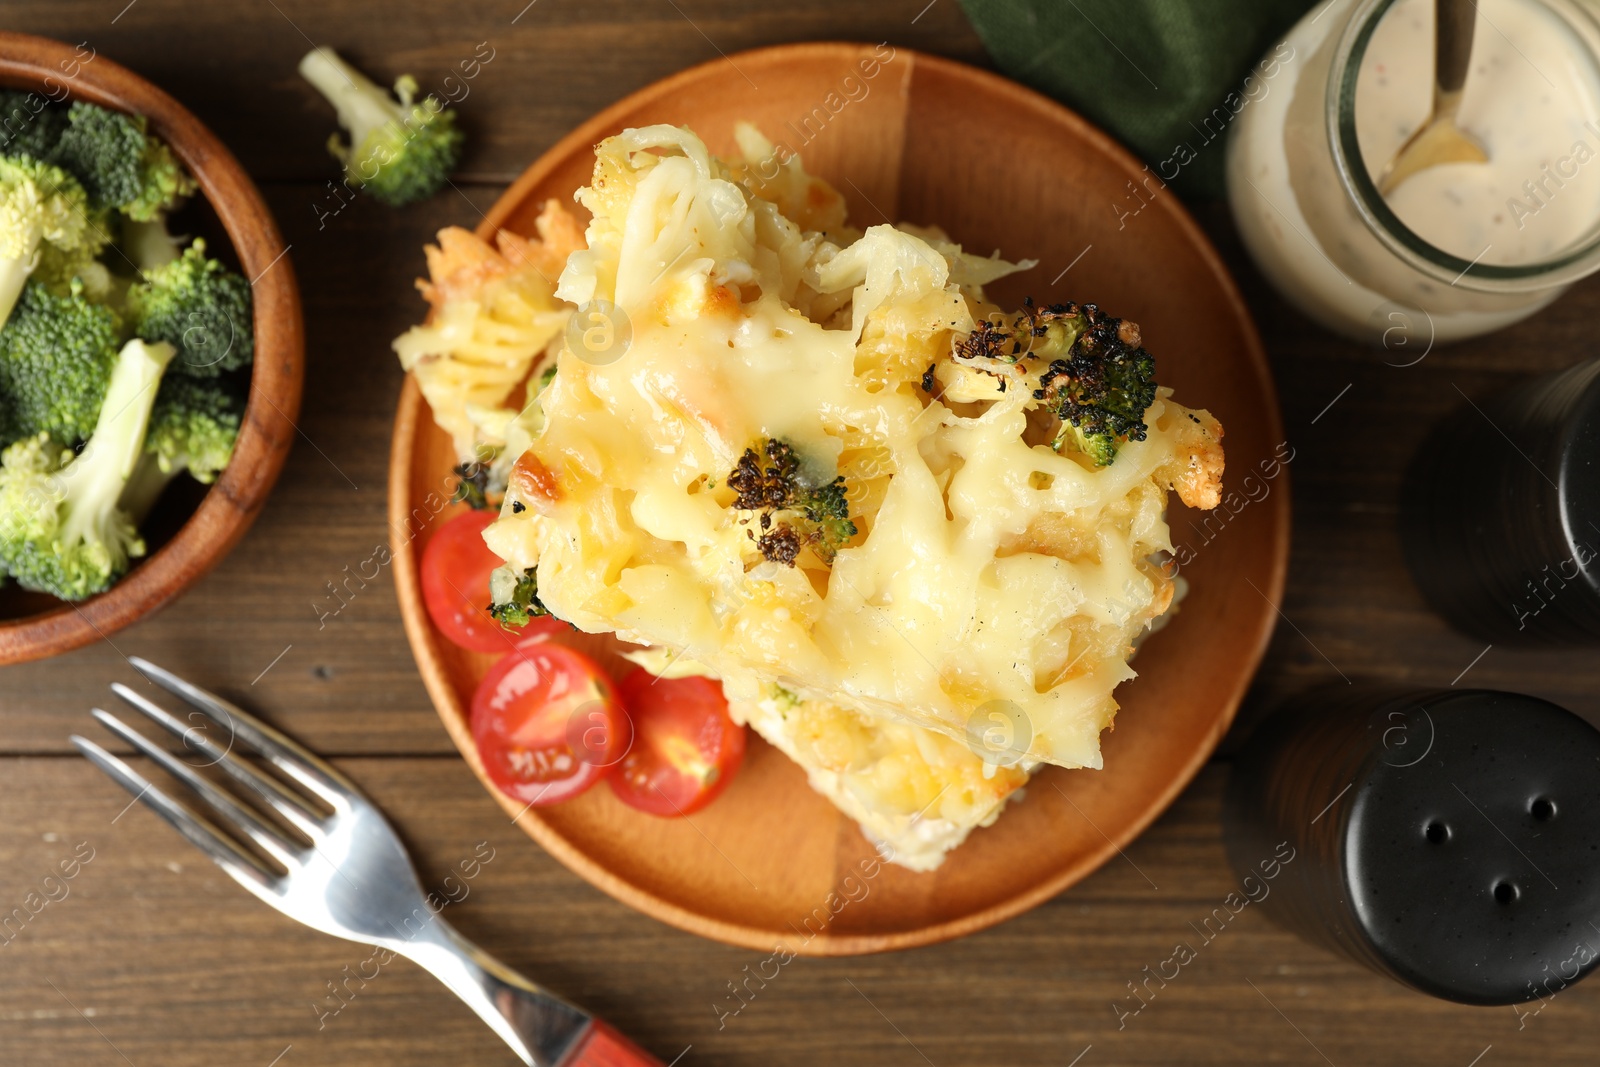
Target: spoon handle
x=1452, y=38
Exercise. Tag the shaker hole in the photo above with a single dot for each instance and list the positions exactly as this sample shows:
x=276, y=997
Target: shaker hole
x=1505, y=893
x=1437, y=832
x=1542, y=808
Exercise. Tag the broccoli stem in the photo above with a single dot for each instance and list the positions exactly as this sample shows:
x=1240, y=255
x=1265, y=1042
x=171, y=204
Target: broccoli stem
x=148, y=243
x=361, y=104
x=97, y=478
x=145, y=487
x=14, y=275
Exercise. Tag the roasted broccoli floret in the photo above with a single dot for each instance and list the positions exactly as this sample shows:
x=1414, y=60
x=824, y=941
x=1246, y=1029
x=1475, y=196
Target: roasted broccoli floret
x=44, y=216
x=400, y=150
x=815, y=515
x=515, y=596
x=29, y=124
x=121, y=165
x=472, y=485
x=199, y=306
x=1099, y=382
x=56, y=357
x=62, y=530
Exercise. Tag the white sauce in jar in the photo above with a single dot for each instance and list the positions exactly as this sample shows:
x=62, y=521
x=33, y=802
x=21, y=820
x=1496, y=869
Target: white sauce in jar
x=1532, y=100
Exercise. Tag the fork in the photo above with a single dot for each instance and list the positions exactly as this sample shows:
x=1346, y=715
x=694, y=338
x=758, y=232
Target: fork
x=355, y=880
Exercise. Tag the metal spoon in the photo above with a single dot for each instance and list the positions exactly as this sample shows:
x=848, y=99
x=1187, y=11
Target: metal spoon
x=1439, y=139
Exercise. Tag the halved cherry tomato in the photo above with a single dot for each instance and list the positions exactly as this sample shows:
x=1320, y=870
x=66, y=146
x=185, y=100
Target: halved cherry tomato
x=547, y=723
x=455, y=584
x=455, y=587
x=686, y=749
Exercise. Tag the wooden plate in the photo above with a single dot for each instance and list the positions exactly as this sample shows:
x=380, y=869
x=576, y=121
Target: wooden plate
x=927, y=141
x=186, y=540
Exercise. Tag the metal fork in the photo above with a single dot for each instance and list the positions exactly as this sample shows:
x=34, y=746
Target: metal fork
x=355, y=880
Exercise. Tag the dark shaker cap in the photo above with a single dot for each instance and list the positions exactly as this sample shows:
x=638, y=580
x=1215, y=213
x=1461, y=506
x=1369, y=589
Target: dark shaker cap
x=1500, y=513
x=1448, y=839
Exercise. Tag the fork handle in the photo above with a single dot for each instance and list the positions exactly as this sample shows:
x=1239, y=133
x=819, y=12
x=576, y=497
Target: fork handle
x=602, y=1046
x=543, y=1029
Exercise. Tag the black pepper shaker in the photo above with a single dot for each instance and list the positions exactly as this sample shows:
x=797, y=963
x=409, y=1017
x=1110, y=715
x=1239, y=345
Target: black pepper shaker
x=1500, y=514
x=1448, y=839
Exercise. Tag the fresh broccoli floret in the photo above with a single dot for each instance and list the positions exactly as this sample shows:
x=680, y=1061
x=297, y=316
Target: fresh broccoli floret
x=400, y=150
x=56, y=358
x=125, y=168
x=61, y=529
x=515, y=596
x=120, y=164
x=818, y=515
x=29, y=124
x=43, y=209
x=198, y=305
x=59, y=272
x=194, y=425
x=1099, y=382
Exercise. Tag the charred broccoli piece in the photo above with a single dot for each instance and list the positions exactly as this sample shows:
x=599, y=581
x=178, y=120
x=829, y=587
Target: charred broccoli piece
x=516, y=597
x=1099, y=381
x=472, y=485
x=814, y=515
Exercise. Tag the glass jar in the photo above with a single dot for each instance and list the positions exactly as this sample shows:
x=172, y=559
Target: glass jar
x=1311, y=214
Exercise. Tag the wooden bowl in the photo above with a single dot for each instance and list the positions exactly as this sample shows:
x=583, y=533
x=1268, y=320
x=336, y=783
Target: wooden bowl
x=929, y=141
x=33, y=626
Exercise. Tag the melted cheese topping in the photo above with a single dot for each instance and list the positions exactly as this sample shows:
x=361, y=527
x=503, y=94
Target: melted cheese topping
x=915, y=793
x=986, y=567
x=492, y=311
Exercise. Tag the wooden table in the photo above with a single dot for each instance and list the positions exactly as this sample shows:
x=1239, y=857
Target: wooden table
x=154, y=957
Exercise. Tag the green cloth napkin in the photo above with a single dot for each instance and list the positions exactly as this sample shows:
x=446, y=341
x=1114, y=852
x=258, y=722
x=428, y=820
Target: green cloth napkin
x=1148, y=71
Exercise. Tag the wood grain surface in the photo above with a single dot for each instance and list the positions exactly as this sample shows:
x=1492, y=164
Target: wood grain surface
x=153, y=957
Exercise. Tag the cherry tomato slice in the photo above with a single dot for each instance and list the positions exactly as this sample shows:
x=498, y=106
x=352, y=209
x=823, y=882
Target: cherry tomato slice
x=686, y=749
x=455, y=584
x=547, y=723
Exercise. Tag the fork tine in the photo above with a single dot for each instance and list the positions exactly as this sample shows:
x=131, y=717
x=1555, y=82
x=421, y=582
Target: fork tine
x=235, y=813
x=281, y=800
x=287, y=755
x=238, y=864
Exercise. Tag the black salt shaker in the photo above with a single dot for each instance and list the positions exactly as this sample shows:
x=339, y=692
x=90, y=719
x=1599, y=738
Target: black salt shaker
x=1448, y=839
x=1500, y=513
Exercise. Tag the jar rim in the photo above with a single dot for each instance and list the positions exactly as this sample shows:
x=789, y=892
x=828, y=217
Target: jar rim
x=1577, y=262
